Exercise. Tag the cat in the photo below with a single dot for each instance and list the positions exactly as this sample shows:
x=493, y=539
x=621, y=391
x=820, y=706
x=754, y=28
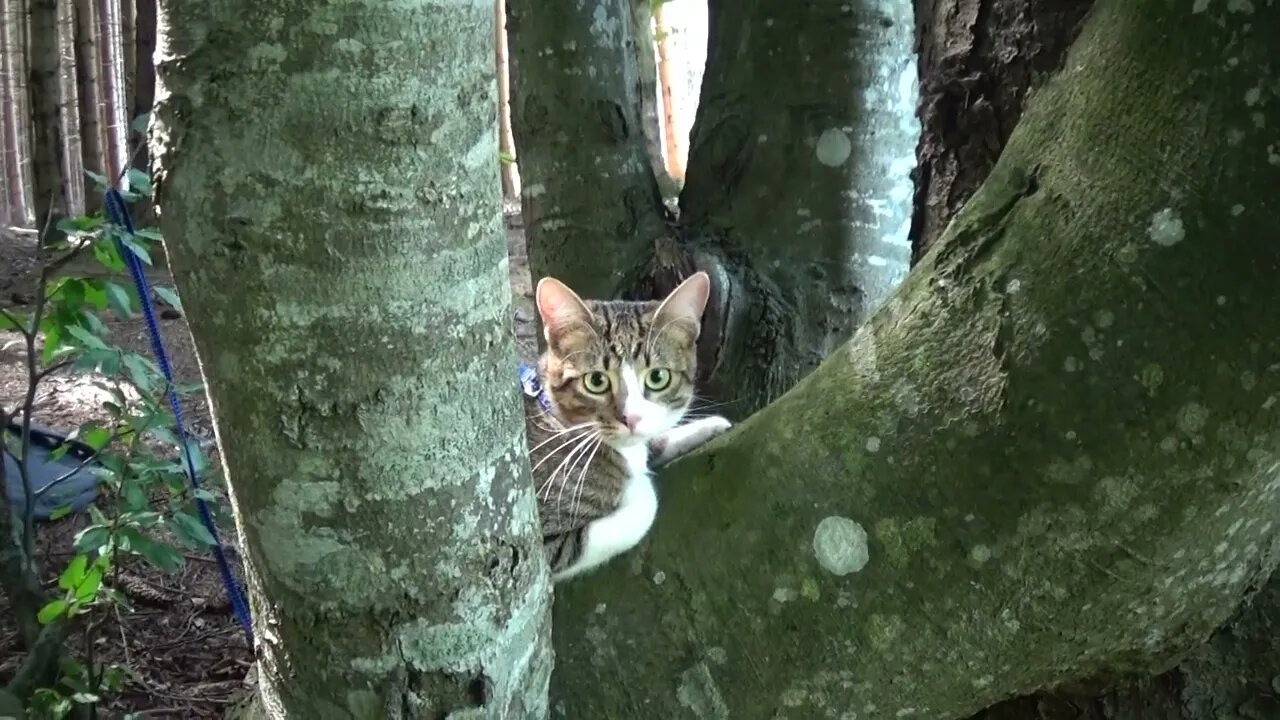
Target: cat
x=613, y=385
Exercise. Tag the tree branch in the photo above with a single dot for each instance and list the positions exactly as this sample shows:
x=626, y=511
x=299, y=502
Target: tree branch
x=1026, y=469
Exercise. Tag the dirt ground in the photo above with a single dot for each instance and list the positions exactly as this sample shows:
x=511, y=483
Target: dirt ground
x=189, y=654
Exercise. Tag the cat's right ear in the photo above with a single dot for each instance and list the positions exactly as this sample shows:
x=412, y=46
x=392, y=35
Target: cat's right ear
x=560, y=309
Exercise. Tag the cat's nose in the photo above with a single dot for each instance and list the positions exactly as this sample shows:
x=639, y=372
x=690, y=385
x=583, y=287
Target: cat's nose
x=631, y=421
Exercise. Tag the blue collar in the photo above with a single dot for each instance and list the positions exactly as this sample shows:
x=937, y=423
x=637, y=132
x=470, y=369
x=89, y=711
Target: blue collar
x=532, y=385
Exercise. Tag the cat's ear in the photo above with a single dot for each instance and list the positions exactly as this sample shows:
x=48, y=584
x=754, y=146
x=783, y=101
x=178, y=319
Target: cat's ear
x=560, y=308
x=684, y=306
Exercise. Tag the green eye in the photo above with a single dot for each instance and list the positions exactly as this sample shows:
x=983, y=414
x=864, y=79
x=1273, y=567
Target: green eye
x=657, y=379
x=596, y=383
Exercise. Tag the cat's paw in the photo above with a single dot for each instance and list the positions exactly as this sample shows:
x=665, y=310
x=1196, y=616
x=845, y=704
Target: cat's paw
x=689, y=436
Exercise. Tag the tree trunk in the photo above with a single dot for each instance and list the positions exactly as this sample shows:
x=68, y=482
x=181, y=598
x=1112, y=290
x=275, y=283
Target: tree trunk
x=1025, y=470
x=90, y=92
x=48, y=191
x=647, y=91
x=111, y=74
x=145, y=80
x=592, y=210
x=11, y=49
x=979, y=59
x=384, y=502
x=128, y=31
x=72, y=166
x=798, y=198
x=506, y=142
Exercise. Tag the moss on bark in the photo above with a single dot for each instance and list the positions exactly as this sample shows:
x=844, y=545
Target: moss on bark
x=1056, y=443
x=327, y=179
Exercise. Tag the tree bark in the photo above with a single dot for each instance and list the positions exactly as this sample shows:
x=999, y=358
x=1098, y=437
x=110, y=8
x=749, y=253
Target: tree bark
x=128, y=31
x=361, y=367
x=506, y=141
x=979, y=60
x=145, y=80
x=592, y=210
x=11, y=49
x=49, y=199
x=797, y=199
x=1025, y=470
x=111, y=77
x=647, y=91
x=92, y=156
x=72, y=167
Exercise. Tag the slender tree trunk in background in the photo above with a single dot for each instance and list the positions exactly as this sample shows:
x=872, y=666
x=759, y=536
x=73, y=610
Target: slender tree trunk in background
x=10, y=121
x=979, y=59
x=49, y=199
x=128, y=31
x=647, y=91
x=506, y=141
x=1025, y=470
x=673, y=159
x=90, y=93
x=115, y=128
x=586, y=178
x=72, y=164
x=397, y=570
x=797, y=198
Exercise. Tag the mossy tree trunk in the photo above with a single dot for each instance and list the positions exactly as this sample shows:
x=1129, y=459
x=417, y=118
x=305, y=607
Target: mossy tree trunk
x=796, y=197
x=979, y=61
x=1052, y=456
x=327, y=177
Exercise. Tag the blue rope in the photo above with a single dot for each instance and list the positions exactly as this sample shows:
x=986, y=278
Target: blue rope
x=118, y=213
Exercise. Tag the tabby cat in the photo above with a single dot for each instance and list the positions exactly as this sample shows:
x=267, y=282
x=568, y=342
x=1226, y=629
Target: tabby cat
x=612, y=387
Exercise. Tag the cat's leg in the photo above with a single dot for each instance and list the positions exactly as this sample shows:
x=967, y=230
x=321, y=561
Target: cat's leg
x=682, y=439
x=619, y=531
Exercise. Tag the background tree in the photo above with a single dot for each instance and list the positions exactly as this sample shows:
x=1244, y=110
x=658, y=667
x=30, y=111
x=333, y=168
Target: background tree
x=1025, y=470
x=388, y=520
x=790, y=291
x=49, y=198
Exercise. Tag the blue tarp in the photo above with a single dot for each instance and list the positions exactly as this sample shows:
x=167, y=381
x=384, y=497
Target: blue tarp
x=76, y=492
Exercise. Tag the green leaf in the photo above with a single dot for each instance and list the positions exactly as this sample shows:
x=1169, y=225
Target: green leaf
x=73, y=575
x=190, y=530
x=86, y=338
x=160, y=555
x=149, y=234
x=141, y=372
x=59, y=513
x=139, y=181
x=136, y=247
x=52, y=611
x=21, y=324
x=108, y=255
x=135, y=499
x=87, y=590
x=92, y=539
x=506, y=158
x=120, y=300
x=139, y=124
x=95, y=437
x=85, y=698
x=99, y=180
x=170, y=297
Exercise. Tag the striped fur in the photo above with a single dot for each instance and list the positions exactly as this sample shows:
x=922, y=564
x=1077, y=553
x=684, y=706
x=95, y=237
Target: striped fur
x=590, y=453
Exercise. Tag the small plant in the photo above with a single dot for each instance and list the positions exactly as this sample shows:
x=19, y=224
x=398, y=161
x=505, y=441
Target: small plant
x=145, y=506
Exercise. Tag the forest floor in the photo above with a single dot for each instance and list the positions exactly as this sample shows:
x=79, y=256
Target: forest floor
x=189, y=655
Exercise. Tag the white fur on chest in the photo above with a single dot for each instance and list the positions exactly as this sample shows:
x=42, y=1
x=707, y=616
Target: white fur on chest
x=622, y=529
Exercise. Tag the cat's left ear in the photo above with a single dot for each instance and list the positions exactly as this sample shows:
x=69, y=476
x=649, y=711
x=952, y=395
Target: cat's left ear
x=685, y=304
x=560, y=309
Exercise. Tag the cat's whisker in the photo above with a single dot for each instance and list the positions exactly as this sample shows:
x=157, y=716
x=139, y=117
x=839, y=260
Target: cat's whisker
x=582, y=476
x=570, y=442
x=577, y=449
x=569, y=429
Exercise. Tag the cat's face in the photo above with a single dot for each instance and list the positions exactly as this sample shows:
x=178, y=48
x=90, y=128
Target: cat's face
x=625, y=368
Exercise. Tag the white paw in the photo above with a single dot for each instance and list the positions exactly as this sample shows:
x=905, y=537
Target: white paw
x=710, y=427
